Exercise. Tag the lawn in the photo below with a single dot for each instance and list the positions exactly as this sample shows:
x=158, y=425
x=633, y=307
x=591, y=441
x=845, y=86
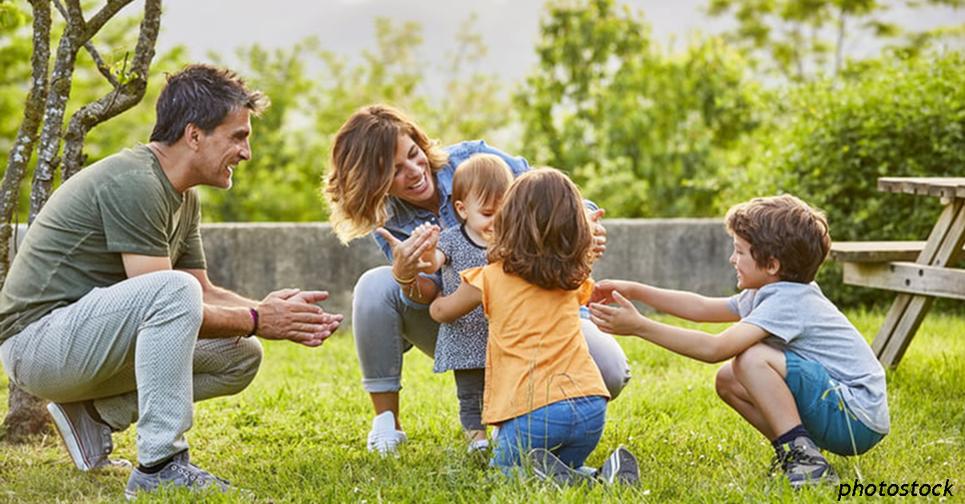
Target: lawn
x=297, y=434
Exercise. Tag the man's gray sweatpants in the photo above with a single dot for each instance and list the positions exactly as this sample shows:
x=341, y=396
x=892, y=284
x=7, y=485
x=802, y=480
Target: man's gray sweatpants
x=133, y=348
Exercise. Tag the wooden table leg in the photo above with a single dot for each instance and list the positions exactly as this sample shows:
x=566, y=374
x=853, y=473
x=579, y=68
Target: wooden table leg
x=906, y=313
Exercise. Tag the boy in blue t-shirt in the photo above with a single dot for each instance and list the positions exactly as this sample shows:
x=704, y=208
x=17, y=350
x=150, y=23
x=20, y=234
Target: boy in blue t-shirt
x=801, y=373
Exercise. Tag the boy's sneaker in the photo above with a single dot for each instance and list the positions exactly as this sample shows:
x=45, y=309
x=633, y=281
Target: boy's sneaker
x=548, y=467
x=178, y=472
x=620, y=467
x=803, y=463
x=88, y=441
x=383, y=437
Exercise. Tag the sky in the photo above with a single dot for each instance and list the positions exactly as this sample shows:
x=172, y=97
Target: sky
x=509, y=27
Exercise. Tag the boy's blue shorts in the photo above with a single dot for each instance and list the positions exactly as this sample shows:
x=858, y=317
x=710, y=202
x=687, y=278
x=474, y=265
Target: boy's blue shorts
x=823, y=413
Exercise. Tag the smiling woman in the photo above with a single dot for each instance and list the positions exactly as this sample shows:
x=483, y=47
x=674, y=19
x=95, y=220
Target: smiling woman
x=386, y=179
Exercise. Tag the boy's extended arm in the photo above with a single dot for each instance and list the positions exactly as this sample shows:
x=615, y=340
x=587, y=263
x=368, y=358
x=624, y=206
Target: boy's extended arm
x=625, y=319
x=449, y=308
x=686, y=305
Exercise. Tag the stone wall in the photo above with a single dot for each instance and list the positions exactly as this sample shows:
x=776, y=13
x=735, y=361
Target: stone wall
x=255, y=259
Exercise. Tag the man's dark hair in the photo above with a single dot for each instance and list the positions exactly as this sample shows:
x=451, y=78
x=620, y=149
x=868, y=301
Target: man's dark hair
x=202, y=95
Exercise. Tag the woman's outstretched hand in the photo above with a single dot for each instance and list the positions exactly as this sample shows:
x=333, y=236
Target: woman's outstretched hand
x=407, y=255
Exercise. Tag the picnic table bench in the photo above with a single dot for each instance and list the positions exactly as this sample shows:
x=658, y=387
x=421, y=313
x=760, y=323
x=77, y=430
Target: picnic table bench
x=919, y=271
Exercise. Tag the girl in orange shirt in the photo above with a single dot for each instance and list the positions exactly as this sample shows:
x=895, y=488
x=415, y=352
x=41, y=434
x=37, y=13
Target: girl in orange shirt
x=542, y=388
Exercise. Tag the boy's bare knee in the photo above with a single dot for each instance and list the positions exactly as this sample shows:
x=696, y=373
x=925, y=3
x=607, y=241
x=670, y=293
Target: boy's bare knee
x=725, y=381
x=756, y=358
x=754, y=355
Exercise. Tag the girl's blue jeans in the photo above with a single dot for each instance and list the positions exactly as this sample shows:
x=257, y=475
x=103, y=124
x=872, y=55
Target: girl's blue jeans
x=570, y=428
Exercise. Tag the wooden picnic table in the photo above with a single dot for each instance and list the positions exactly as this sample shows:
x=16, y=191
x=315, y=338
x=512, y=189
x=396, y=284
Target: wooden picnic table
x=888, y=265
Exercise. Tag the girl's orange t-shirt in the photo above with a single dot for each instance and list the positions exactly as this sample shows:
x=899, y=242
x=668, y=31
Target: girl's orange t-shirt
x=536, y=354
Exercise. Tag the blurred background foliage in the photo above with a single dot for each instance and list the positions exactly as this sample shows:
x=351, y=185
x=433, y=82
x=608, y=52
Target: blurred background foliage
x=774, y=105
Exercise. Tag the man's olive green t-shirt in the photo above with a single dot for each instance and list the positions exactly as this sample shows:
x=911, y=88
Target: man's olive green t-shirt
x=121, y=204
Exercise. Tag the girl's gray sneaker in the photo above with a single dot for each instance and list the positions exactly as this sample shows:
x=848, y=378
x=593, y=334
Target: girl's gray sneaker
x=178, y=472
x=620, y=467
x=548, y=467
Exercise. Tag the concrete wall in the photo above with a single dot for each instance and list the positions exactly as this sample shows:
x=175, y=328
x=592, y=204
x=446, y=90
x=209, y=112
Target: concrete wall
x=255, y=259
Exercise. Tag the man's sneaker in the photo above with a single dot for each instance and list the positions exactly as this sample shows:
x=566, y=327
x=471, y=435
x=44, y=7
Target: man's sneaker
x=383, y=437
x=88, y=441
x=548, y=467
x=620, y=467
x=803, y=463
x=178, y=472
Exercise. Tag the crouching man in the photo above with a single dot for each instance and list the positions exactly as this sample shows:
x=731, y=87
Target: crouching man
x=107, y=310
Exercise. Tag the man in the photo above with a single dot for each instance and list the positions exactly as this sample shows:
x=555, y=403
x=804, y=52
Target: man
x=107, y=309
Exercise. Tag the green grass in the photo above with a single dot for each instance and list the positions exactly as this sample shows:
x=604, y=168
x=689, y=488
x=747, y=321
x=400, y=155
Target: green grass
x=297, y=434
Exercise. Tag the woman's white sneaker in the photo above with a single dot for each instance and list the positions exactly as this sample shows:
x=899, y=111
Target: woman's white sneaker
x=383, y=437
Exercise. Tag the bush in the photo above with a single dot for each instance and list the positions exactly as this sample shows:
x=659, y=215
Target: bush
x=830, y=140
x=642, y=130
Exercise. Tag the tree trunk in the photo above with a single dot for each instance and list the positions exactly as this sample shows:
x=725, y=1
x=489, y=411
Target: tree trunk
x=52, y=131
x=23, y=146
x=27, y=415
x=77, y=33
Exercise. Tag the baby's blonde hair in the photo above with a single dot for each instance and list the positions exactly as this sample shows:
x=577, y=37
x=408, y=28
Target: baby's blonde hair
x=485, y=176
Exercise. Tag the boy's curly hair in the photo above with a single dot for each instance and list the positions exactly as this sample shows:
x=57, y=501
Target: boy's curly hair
x=542, y=232
x=783, y=228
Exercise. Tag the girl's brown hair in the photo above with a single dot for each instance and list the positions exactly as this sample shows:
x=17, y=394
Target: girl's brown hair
x=485, y=176
x=363, y=164
x=542, y=233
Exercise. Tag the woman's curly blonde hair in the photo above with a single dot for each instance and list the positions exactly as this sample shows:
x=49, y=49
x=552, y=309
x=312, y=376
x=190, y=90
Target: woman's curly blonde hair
x=363, y=164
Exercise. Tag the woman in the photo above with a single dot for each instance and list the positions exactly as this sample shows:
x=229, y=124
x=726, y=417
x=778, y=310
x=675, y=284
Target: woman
x=386, y=178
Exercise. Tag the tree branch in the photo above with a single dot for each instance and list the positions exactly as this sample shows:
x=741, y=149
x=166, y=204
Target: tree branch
x=89, y=46
x=75, y=15
x=102, y=16
x=120, y=99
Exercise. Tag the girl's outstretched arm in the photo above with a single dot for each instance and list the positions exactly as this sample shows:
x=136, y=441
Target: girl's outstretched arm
x=462, y=301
